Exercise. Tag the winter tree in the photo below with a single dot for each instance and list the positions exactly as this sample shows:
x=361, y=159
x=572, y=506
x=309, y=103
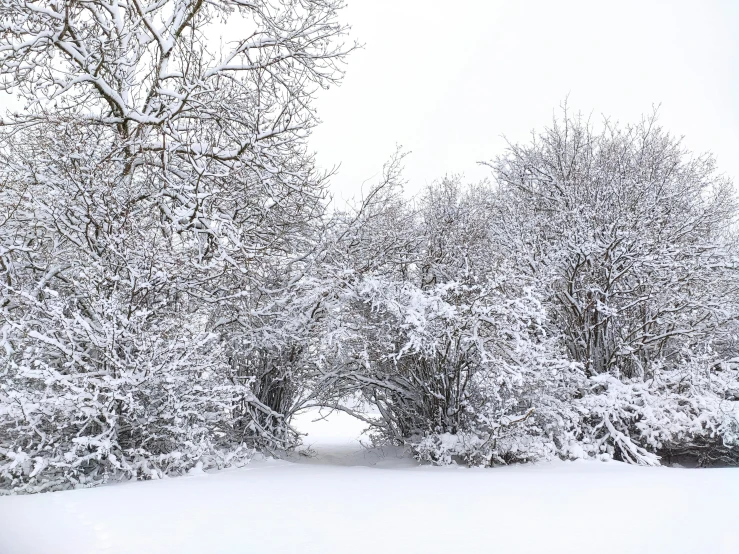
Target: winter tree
x=153, y=187
x=445, y=342
x=629, y=235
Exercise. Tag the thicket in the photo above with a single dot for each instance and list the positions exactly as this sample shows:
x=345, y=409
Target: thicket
x=175, y=286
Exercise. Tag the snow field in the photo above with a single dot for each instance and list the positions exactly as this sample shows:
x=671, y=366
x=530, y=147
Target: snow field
x=347, y=499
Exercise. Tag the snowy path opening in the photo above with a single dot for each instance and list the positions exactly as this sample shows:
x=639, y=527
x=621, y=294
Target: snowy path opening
x=335, y=438
x=347, y=499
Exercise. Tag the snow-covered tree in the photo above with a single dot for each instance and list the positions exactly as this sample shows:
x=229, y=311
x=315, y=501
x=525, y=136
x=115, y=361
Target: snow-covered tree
x=448, y=344
x=154, y=184
x=629, y=234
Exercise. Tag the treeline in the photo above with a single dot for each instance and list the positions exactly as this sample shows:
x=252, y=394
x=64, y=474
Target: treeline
x=174, y=285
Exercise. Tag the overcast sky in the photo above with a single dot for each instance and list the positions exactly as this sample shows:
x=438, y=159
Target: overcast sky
x=447, y=79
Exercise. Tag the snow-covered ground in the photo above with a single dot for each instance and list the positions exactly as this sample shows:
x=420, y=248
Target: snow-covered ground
x=348, y=499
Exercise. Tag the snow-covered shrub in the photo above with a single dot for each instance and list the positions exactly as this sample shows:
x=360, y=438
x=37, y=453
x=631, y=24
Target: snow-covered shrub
x=95, y=387
x=671, y=418
x=61, y=428
x=458, y=371
x=438, y=334
x=452, y=352
x=628, y=236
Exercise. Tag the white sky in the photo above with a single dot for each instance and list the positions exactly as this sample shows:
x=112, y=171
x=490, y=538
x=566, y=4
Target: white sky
x=446, y=79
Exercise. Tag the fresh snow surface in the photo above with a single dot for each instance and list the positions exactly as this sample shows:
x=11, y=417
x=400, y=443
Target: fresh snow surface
x=350, y=499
